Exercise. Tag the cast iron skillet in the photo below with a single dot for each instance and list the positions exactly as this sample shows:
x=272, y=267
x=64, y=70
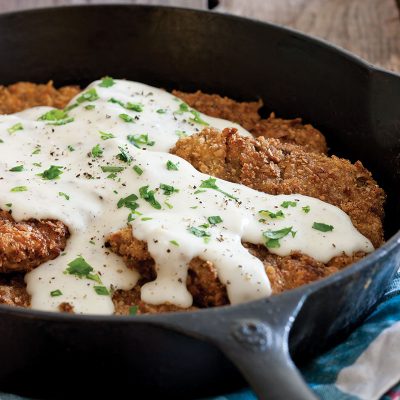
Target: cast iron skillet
x=356, y=105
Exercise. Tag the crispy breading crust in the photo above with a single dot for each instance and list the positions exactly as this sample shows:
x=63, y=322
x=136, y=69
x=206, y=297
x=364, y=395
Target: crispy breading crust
x=270, y=166
x=25, y=245
x=24, y=95
x=246, y=114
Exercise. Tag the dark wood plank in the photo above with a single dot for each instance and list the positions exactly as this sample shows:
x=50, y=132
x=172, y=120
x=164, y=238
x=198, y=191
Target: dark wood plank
x=368, y=28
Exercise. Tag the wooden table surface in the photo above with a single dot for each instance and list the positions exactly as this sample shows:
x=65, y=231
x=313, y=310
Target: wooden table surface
x=368, y=28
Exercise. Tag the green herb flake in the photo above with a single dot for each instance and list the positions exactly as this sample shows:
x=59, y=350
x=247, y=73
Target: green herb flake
x=287, y=204
x=93, y=277
x=17, y=127
x=126, y=118
x=128, y=202
x=197, y=119
x=124, y=156
x=133, y=310
x=183, y=107
x=1, y=141
x=272, y=237
x=111, y=168
x=19, y=189
x=79, y=267
x=37, y=164
x=37, y=149
x=210, y=184
x=9, y=205
x=18, y=168
x=161, y=111
x=70, y=148
x=138, y=140
x=170, y=206
x=53, y=172
x=168, y=189
x=320, y=226
x=174, y=242
x=146, y=218
x=137, y=169
x=90, y=107
x=214, y=220
x=306, y=209
x=272, y=215
x=101, y=290
x=62, y=194
x=134, y=107
x=148, y=195
x=198, y=232
x=106, y=136
x=181, y=134
x=97, y=151
x=107, y=82
x=56, y=293
x=56, y=117
x=171, y=166
x=89, y=95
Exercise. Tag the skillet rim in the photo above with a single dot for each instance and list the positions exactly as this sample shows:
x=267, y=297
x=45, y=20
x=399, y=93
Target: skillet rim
x=388, y=247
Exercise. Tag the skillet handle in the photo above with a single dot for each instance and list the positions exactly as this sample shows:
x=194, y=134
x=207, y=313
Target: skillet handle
x=254, y=337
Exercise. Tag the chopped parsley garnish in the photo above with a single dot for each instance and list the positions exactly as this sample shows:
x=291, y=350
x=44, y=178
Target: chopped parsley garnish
x=198, y=232
x=287, y=204
x=126, y=118
x=214, y=220
x=107, y=82
x=161, y=111
x=101, y=290
x=9, y=205
x=71, y=148
x=197, y=119
x=52, y=173
x=272, y=215
x=133, y=310
x=319, y=226
x=128, y=202
x=37, y=164
x=56, y=117
x=97, y=151
x=62, y=194
x=106, y=136
x=168, y=189
x=56, y=293
x=90, y=107
x=1, y=141
x=37, y=149
x=134, y=106
x=124, y=155
x=89, y=95
x=272, y=237
x=168, y=204
x=18, y=168
x=138, y=170
x=171, y=166
x=146, y=218
x=183, y=107
x=132, y=216
x=79, y=267
x=181, y=134
x=210, y=184
x=138, y=140
x=111, y=168
x=19, y=189
x=148, y=195
x=174, y=242
x=129, y=106
x=306, y=209
x=17, y=127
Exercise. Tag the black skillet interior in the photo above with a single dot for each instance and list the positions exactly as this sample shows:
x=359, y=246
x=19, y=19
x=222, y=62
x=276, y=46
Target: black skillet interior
x=356, y=106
